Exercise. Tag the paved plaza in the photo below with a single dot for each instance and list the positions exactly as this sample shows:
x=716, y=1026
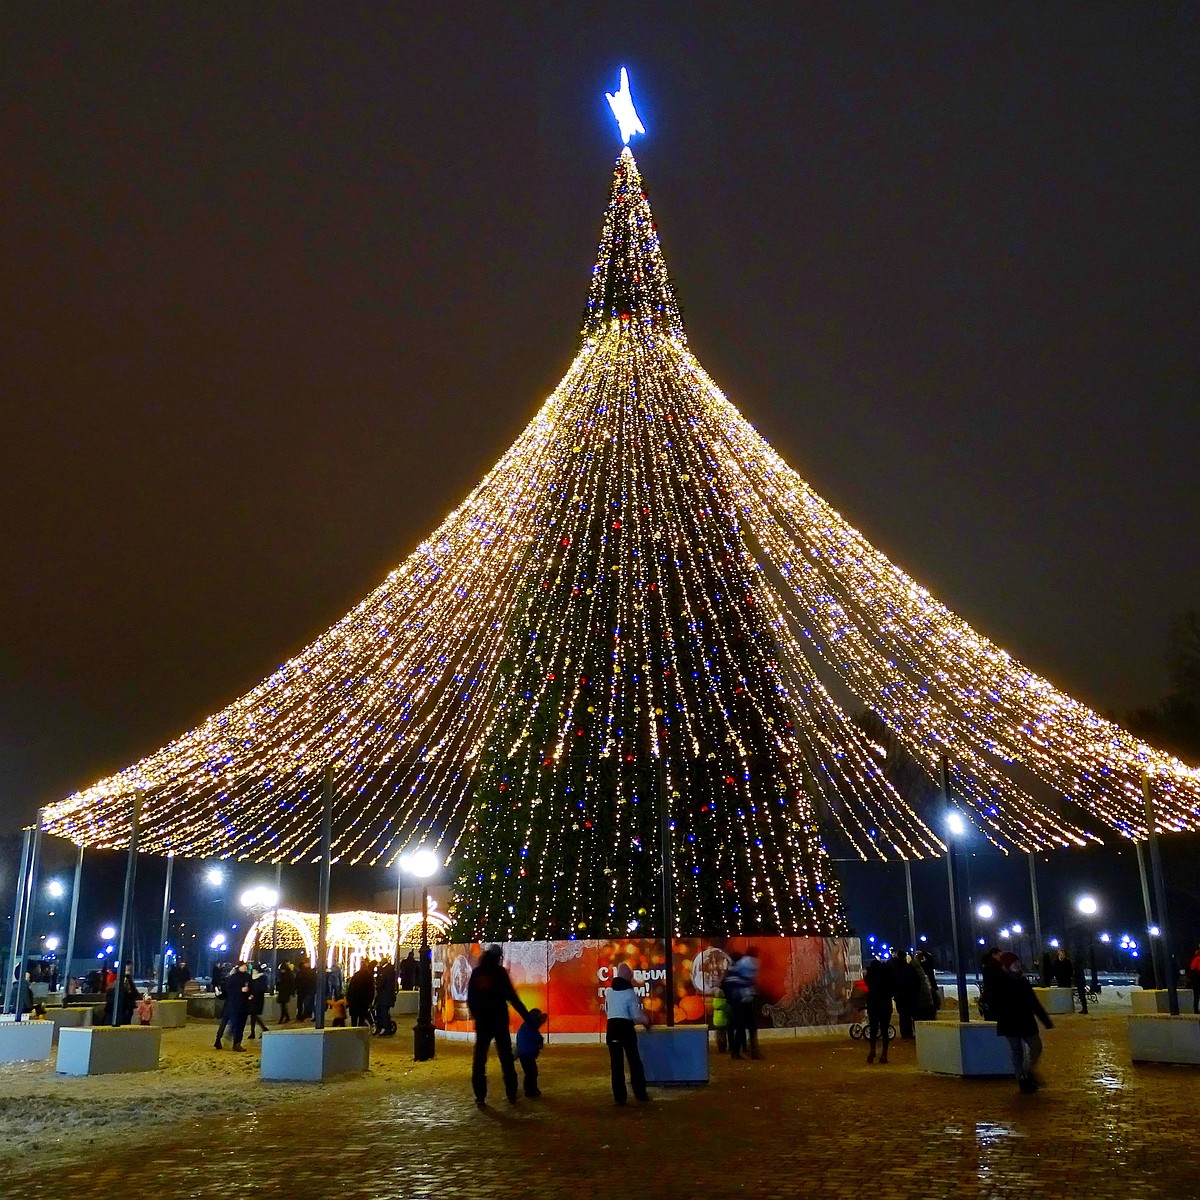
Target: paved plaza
x=811, y=1119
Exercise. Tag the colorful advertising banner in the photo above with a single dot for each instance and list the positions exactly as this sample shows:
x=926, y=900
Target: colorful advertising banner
x=803, y=982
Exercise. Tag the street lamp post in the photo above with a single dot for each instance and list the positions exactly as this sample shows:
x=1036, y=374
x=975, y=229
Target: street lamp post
x=1167, y=956
x=66, y=972
x=1087, y=907
x=956, y=826
x=422, y=864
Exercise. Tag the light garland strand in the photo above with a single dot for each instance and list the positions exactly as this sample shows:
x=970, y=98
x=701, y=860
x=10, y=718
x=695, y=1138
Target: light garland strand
x=639, y=580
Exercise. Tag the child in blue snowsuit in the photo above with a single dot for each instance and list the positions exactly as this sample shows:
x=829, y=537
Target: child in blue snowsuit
x=529, y=1046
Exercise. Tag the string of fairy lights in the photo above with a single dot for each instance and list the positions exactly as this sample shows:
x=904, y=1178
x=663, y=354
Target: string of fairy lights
x=640, y=597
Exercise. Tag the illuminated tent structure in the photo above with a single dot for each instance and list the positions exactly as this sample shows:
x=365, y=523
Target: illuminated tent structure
x=640, y=605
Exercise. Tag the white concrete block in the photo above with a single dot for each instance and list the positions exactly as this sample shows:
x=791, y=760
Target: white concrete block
x=1156, y=1000
x=676, y=1055
x=169, y=1014
x=406, y=1004
x=312, y=1055
x=26, y=1041
x=103, y=1050
x=952, y=1048
x=1055, y=1000
x=1160, y=1037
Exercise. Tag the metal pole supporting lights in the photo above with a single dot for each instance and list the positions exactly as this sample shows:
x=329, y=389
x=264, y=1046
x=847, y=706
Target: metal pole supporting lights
x=956, y=826
x=422, y=864
x=1087, y=907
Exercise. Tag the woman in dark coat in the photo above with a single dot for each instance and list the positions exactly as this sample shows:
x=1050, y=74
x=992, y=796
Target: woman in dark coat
x=285, y=989
x=1017, y=1010
x=878, y=978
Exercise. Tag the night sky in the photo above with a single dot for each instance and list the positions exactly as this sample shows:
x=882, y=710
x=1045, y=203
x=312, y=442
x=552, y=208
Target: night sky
x=281, y=283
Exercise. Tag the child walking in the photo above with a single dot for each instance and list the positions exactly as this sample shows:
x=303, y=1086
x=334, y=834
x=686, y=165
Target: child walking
x=529, y=1046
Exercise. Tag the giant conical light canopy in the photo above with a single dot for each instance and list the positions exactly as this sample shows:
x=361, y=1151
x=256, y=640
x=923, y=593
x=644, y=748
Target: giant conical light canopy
x=640, y=601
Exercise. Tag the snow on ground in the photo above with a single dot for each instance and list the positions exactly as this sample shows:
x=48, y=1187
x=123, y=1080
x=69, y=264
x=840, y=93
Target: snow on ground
x=43, y=1113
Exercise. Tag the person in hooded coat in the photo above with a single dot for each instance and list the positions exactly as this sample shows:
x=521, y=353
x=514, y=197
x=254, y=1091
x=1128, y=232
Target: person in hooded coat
x=489, y=993
x=625, y=1013
x=1016, y=1011
x=257, y=1000
x=878, y=978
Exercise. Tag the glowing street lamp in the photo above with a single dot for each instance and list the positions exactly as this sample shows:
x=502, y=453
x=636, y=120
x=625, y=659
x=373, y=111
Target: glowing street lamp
x=51, y=943
x=423, y=864
x=1088, y=905
x=214, y=876
x=57, y=889
x=108, y=932
x=984, y=911
x=259, y=898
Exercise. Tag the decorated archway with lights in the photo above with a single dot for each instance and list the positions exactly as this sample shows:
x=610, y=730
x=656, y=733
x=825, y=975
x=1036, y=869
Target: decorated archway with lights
x=351, y=937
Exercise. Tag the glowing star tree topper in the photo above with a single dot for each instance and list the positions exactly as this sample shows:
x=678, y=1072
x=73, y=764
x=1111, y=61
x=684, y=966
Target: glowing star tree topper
x=622, y=106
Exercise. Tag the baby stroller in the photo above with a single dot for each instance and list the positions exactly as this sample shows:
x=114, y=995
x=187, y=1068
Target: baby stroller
x=860, y=1027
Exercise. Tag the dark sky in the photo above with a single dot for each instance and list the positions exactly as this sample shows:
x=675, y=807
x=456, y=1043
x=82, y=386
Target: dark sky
x=282, y=281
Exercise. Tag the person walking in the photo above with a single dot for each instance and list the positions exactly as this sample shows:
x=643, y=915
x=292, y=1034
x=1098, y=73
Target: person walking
x=306, y=990
x=185, y=977
x=257, y=1000
x=1017, y=1010
x=1194, y=978
x=408, y=972
x=1064, y=969
x=878, y=979
x=529, y=1046
x=385, y=997
x=489, y=993
x=742, y=988
x=285, y=989
x=236, y=988
x=360, y=992
x=906, y=988
x=625, y=1013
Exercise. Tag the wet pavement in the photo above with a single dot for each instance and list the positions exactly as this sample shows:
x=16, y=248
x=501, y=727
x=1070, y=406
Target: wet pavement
x=812, y=1119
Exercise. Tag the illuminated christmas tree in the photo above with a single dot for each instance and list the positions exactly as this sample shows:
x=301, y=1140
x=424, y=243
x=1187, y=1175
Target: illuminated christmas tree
x=641, y=611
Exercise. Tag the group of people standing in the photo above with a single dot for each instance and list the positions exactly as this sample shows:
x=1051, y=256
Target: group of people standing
x=366, y=998
x=908, y=982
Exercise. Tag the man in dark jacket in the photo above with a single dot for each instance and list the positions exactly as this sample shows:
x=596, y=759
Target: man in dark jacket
x=385, y=997
x=237, y=1006
x=306, y=990
x=1017, y=1010
x=489, y=993
x=360, y=991
x=285, y=989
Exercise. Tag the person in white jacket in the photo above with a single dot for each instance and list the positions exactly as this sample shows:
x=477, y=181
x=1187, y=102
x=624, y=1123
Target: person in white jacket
x=625, y=1012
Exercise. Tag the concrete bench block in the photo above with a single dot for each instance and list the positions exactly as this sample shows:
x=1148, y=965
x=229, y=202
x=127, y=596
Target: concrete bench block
x=26, y=1041
x=674, y=1055
x=170, y=1014
x=311, y=1055
x=205, y=1005
x=1055, y=1000
x=1160, y=1037
x=68, y=1018
x=103, y=1050
x=952, y=1048
x=1155, y=1000
x=406, y=1004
